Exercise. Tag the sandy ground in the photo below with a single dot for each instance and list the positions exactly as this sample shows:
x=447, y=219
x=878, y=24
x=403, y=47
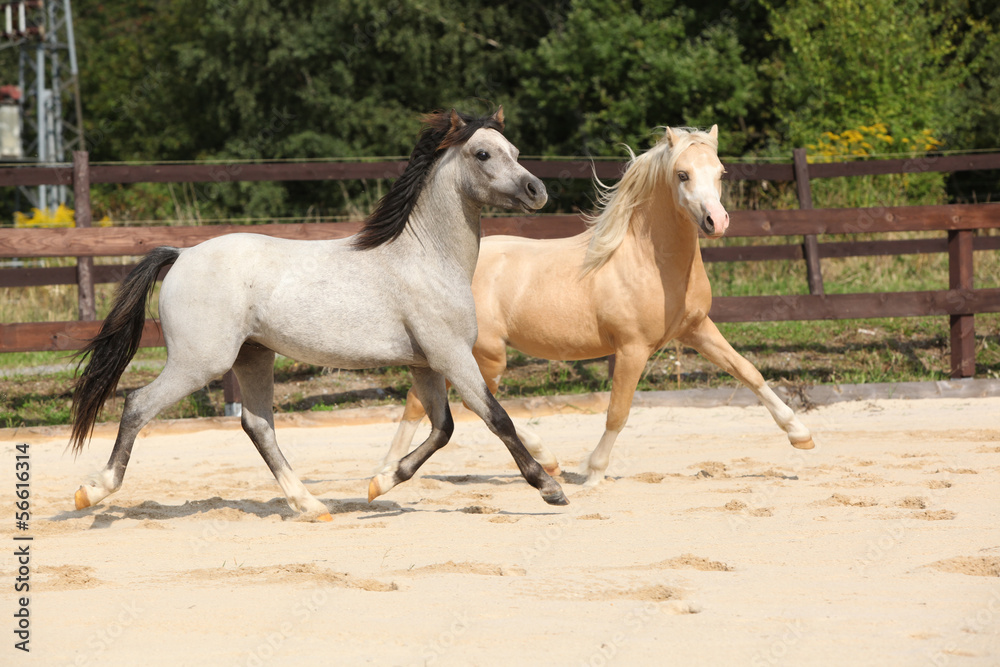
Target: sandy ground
x=713, y=543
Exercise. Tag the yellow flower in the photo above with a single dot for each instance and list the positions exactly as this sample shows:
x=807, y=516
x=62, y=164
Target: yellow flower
x=63, y=216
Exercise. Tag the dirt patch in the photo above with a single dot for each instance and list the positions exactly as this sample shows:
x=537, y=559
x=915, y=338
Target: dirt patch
x=691, y=562
x=970, y=565
x=742, y=508
x=451, y=567
x=649, y=477
x=839, y=499
x=656, y=593
x=305, y=574
x=935, y=515
x=67, y=578
x=709, y=469
x=479, y=509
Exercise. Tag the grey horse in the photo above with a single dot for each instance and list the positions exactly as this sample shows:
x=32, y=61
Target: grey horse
x=397, y=293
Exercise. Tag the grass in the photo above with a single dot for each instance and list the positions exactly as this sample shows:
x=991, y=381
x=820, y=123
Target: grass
x=790, y=353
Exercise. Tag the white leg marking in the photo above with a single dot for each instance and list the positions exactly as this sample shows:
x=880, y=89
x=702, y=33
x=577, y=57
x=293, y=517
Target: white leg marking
x=597, y=463
x=94, y=490
x=298, y=495
x=784, y=417
x=533, y=443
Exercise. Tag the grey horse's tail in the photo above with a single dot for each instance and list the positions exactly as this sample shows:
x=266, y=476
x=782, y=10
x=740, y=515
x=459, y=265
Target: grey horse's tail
x=113, y=348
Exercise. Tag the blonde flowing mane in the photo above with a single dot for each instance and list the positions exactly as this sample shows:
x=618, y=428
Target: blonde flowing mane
x=617, y=203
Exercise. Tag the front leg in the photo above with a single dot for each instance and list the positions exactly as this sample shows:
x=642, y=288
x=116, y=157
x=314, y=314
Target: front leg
x=629, y=364
x=707, y=340
x=463, y=372
x=477, y=398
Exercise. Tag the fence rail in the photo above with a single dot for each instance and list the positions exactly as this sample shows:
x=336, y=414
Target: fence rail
x=958, y=224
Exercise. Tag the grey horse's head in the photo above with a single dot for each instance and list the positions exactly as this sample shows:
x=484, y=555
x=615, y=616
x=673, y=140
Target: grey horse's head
x=488, y=173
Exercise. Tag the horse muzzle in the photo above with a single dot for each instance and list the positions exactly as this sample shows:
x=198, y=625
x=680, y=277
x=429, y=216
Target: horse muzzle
x=533, y=195
x=715, y=222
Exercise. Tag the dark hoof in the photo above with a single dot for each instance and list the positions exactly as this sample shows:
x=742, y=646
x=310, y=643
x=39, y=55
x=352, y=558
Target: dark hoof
x=555, y=498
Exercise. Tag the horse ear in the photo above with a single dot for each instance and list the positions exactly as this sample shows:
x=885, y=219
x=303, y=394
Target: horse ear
x=670, y=137
x=456, y=121
x=498, y=115
x=714, y=132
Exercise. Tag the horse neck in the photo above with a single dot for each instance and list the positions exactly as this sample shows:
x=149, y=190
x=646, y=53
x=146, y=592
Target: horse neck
x=661, y=230
x=445, y=223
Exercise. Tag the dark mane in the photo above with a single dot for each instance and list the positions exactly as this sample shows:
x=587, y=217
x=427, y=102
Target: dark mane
x=441, y=130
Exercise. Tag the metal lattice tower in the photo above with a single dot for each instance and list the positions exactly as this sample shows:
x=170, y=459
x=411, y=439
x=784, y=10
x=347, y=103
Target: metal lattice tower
x=51, y=116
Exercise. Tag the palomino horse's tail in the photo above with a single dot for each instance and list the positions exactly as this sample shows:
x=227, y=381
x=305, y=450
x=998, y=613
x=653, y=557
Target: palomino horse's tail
x=113, y=348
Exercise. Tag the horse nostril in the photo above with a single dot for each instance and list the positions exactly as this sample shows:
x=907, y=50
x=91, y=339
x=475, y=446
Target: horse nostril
x=709, y=224
x=532, y=190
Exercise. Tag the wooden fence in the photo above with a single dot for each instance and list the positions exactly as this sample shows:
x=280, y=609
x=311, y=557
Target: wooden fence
x=958, y=224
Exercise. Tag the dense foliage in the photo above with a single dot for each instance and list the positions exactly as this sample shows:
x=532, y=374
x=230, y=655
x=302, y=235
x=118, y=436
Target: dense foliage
x=252, y=79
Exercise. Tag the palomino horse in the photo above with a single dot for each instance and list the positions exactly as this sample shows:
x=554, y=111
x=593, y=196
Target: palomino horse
x=397, y=293
x=628, y=285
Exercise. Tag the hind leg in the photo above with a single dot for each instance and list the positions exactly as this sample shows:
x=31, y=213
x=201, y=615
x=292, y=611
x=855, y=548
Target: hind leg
x=629, y=364
x=174, y=383
x=254, y=369
x=433, y=392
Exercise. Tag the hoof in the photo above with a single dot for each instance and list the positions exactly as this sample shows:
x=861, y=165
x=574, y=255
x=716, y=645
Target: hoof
x=325, y=517
x=805, y=444
x=80, y=499
x=373, y=489
x=380, y=484
x=556, y=498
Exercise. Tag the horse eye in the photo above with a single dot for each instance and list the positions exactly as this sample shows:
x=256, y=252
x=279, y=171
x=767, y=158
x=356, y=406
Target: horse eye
x=682, y=176
x=482, y=156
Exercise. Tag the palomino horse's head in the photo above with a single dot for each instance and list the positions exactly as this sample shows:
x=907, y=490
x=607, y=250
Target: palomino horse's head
x=683, y=166
x=696, y=174
x=489, y=171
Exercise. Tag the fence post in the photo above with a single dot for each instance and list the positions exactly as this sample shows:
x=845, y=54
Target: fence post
x=810, y=246
x=963, y=327
x=83, y=216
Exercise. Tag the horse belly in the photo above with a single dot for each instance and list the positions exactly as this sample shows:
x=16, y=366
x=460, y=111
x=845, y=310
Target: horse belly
x=555, y=326
x=563, y=344
x=340, y=338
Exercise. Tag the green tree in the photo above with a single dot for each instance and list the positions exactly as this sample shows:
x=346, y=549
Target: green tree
x=842, y=64
x=248, y=79
x=613, y=71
